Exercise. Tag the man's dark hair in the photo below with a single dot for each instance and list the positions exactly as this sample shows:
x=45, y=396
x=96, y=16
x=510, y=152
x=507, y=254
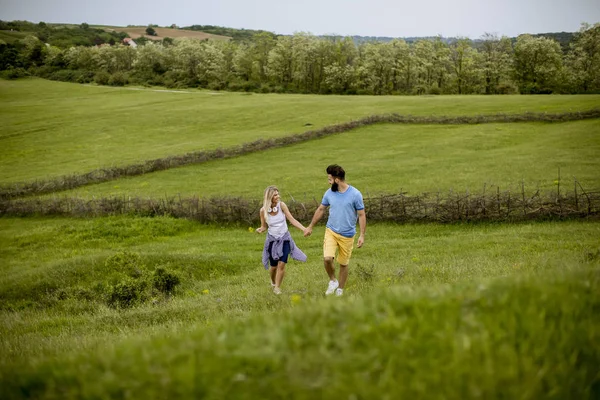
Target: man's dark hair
x=336, y=171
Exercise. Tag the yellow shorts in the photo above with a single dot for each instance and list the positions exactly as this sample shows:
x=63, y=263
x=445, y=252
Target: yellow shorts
x=335, y=242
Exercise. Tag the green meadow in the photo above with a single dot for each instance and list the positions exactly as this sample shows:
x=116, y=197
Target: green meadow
x=389, y=158
x=134, y=307
x=54, y=128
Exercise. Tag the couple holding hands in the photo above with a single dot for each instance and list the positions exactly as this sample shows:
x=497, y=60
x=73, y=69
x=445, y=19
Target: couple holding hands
x=345, y=204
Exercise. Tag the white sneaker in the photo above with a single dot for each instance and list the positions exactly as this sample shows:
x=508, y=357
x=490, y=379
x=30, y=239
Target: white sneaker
x=339, y=292
x=331, y=288
x=276, y=290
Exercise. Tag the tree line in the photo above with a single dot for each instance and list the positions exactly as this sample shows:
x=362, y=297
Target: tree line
x=304, y=63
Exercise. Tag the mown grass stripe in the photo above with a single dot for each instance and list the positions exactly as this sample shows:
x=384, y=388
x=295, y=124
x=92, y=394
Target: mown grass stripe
x=100, y=175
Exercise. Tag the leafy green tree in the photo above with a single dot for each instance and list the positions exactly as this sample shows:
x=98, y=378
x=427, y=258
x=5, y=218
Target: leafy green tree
x=150, y=31
x=263, y=43
x=378, y=61
x=537, y=64
x=281, y=58
x=339, y=78
x=583, y=60
x=403, y=70
x=33, y=52
x=424, y=53
x=150, y=61
x=186, y=56
x=243, y=62
x=85, y=58
x=9, y=56
x=496, y=59
x=464, y=61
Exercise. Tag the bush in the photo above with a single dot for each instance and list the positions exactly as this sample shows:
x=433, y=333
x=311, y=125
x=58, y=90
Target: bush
x=44, y=71
x=164, y=280
x=84, y=76
x=118, y=79
x=125, y=262
x=435, y=90
x=102, y=78
x=14, y=73
x=128, y=293
x=66, y=75
x=506, y=88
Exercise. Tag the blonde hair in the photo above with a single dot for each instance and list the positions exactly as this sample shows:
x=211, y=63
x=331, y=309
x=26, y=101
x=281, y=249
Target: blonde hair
x=269, y=193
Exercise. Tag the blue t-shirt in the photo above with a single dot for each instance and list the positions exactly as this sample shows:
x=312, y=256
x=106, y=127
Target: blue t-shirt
x=343, y=209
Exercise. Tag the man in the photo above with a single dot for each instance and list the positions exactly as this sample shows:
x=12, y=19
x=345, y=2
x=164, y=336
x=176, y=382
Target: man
x=345, y=204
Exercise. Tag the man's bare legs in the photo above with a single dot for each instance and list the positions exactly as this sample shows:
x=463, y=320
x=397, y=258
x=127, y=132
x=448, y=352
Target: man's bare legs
x=328, y=262
x=343, y=275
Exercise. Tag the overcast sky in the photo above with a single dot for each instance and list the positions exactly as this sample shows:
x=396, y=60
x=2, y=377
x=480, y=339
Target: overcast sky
x=398, y=18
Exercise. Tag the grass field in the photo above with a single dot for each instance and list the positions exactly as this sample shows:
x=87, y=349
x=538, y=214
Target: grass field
x=12, y=36
x=388, y=158
x=441, y=311
x=416, y=280
x=161, y=33
x=53, y=128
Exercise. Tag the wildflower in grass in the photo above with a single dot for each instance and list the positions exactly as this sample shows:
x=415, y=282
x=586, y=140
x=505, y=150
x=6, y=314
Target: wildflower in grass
x=205, y=291
x=415, y=259
x=296, y=298
x=250, y=229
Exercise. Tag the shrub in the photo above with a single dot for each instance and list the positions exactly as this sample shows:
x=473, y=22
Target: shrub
x=84, y=76
x=126, y=262
x=164, y=280
x=435, y=90
x=118, y=79
x=14, y=73
x=101, y=78
x=64, y=75
x=128, y=293
x=506, y=88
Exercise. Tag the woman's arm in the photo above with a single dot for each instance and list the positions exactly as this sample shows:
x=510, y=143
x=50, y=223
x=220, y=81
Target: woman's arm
x=263, y=226
x=291, y=218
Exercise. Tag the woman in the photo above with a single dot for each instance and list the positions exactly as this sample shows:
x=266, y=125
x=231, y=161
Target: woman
x=279, y=243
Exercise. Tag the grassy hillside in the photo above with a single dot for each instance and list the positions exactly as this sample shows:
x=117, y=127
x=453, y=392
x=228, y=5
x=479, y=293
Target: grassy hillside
x=425, y=304
x=139, y=307
x=388, y=158
x=161, y=33
x=52, y=129
x=12, y=36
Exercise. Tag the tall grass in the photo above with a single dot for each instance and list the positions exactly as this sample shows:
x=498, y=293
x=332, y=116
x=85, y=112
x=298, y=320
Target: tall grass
x=527, y=337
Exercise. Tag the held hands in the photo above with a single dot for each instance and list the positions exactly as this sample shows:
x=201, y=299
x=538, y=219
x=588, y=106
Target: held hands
x=307, y=231
x=260, y=230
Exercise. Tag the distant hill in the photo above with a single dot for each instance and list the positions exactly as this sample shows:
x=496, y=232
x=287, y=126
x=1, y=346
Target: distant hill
x=11, y=36
x=236, y=34
x=137, y=31
x=564, y=38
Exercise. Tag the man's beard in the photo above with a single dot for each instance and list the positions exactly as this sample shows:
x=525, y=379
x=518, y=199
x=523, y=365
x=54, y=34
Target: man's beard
x=334, y=187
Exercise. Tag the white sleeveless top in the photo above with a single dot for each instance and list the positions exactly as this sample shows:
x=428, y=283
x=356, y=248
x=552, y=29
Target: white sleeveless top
x=277, y=225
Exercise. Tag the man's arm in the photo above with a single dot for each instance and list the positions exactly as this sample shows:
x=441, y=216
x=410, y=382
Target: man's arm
x=362, y=222
x=316, y=218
